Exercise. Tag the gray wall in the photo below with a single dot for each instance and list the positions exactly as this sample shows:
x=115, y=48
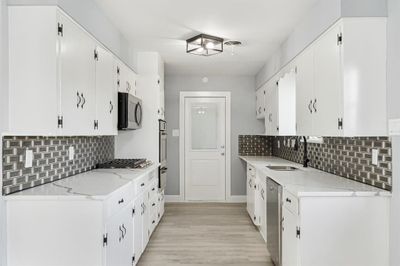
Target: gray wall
x=393, y=95
x=93, y=19
x=243, y=121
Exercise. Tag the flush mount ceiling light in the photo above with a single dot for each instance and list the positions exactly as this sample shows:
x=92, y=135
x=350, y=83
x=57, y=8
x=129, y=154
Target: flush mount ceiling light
x=204, y=45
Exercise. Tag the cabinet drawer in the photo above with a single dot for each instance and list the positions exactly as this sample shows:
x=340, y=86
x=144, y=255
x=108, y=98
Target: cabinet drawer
x=119, y=200
x=290, y=202
x=153, y=222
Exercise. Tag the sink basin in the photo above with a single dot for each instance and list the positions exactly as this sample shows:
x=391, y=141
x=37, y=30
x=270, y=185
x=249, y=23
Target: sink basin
x=281, y=167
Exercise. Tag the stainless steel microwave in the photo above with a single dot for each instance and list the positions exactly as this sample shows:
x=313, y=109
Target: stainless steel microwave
x=130, y=112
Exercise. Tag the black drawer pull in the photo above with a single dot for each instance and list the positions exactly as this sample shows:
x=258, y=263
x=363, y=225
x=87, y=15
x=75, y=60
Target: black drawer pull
x=153, y=222
x=142, y=185
x=121, y=201
x=288, y=200
x=153, y=189
x=153, y=204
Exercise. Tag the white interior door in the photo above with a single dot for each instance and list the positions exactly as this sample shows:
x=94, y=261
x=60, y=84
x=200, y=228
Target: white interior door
x=205, y=159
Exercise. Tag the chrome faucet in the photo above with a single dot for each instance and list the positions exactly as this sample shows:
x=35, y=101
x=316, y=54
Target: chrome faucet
x=305, y=158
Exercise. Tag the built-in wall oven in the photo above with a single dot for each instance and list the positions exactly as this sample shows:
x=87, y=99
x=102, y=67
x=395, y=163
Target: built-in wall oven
x=163, y=154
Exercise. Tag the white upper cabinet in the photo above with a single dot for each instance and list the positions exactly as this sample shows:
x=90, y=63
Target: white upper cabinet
x=106, y=93
x=341, y=81
x=305, y=92
x=260, y=102
x=126, y=78
x=33, y=59
x=62, y=81
x=280, y=104
x=77, y=79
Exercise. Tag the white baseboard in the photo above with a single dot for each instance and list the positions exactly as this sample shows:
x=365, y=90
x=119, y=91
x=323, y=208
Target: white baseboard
x=237, y=199
x=173, y=198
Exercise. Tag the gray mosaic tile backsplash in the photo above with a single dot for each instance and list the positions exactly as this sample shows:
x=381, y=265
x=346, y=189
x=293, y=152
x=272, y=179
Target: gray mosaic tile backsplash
x=50, y=159
x=347, y=157
x=254, y=145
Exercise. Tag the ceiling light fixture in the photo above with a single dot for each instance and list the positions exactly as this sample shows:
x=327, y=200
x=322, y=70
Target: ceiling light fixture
x=204, y=45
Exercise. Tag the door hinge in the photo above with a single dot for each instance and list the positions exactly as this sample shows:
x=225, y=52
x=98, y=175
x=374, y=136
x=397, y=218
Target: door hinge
x=297, y=232
x=340, y=123
x=96, y=55
x=60, y=29
x=105, y=240
x=339, y=38
x=96, y=124
x=60, y=121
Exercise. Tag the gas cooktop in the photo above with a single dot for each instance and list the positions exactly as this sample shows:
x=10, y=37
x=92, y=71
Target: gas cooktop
x=125, y=163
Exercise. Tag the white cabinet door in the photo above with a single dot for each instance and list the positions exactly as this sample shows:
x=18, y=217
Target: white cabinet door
x=260, y=104
x=289, y=238
x=119, y=230
x=77, y=80
x=327, y=103
x=286, y=109
x=305, y=92
x=106, y=94
x=146, y=217
x=271, y=116
x=138, y=227
x=257, y=201
x=263, y=209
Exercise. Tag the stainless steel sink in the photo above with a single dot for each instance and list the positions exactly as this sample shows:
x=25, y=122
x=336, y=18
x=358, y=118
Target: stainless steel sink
x=281, y=167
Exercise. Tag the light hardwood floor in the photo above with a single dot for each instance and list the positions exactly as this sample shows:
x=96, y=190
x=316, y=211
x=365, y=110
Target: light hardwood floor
x=205, y=234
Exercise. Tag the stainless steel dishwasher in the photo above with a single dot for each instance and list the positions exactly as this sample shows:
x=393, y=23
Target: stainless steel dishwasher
x=274, y=217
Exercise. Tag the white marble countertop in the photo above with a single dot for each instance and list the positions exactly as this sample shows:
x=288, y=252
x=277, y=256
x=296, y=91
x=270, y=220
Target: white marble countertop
x=97, y=184
x=310, y=182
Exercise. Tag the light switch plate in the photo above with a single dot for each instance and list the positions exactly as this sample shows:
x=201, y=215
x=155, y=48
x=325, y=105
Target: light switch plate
x=71, y=153
x=175, y=132
x=394, y=127
x=375, y=156
x=28, y=158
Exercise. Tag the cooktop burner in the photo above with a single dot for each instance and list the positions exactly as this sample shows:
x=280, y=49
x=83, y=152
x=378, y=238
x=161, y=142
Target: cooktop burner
x=125, y=163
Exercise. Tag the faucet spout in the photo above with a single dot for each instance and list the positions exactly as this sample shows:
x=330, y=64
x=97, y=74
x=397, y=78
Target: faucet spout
x=305, y=157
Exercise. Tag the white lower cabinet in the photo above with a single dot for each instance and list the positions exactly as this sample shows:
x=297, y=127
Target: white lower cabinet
x=119, y=236
x=335, y=230
x=262, y=213
x=251, y=190
x=84, y=230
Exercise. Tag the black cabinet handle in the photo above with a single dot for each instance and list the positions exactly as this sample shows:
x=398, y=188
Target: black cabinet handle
x=153, y=204
x=288, y=200
x=153, y=189
x=309, y=106
x=84, y=100
x=121, y=234
x=124, y=233
x=79, y=99
x=111, y=107
x=315, y=102
x=121, y=201
x=142, y=185
x=153, y=222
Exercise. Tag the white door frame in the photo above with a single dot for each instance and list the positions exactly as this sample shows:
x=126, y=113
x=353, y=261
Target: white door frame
x=204, y=94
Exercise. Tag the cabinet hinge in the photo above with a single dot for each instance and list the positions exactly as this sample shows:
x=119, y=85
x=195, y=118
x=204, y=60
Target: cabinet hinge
x=339, y=38
x=60, y=121
x=277, y=83
x=297, y=232
x=96, y=55
x=133, y=212
x=96, y=124
x=340, y=123
x=105, y=240
x=60, y=29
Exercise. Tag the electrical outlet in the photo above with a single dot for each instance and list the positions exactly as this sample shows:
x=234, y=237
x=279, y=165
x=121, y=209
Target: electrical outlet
x=28, y=158
x=293, y=142
x=279, y=144
x=71, y=153
x=375, y=156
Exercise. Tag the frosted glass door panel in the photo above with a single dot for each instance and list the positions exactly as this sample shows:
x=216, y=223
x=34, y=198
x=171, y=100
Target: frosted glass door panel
x=204, y=126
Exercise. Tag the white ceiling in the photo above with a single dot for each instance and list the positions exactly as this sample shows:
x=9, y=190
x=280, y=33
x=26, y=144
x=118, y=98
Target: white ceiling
x=164, y=25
